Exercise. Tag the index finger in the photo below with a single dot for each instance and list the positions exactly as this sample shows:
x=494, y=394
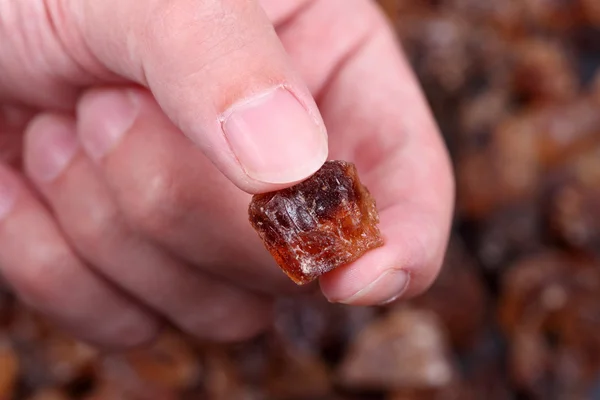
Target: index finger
x=378, y=118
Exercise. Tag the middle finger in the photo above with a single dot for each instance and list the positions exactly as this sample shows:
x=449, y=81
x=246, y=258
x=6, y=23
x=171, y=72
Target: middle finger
x=170, y=192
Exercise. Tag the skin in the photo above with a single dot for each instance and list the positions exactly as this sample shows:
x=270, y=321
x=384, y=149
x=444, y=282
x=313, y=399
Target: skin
x=130, y=206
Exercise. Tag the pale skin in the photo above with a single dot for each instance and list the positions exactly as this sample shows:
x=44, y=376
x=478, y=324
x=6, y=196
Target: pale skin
x=145, y=126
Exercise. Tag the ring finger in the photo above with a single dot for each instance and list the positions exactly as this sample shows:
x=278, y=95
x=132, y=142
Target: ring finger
x=92, y=221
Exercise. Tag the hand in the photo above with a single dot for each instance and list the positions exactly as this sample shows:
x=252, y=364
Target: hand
x=146, y=125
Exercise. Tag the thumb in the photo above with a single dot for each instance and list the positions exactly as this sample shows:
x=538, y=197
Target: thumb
x=220, y=73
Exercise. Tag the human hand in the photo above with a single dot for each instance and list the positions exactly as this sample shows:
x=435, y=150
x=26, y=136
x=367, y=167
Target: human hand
x=145, y=127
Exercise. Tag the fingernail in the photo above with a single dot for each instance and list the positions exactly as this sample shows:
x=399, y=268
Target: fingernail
x=52, y=146
x=105, y=117
x=274, y=137
x=385, y=289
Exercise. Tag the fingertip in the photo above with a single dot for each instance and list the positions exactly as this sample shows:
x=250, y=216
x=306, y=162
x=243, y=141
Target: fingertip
x=385, y=288
x=233, y=318
x=129, y=331
x=50, y=145
x=104, y=117
x=365, y=283
x=249, y=326
x=404, y=267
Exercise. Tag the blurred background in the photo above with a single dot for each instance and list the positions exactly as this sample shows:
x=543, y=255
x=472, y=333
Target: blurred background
x=515, y=314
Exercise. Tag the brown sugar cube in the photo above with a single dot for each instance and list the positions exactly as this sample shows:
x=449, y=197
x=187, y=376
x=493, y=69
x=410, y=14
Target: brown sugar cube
x=295, y=373
x=406, y=349
x=318, y=225
x=573, y=213
x=458, y=284
x=169, y=363
x=9, y=370
x=50, y=394
x=591, y=11
x=543, y=71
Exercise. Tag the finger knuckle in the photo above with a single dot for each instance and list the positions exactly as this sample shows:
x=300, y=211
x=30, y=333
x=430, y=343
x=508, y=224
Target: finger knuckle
x=210, y=27
x=98, y=224
x=156, y=205
x=226, y=323
x=41, y=280
x=128, y=332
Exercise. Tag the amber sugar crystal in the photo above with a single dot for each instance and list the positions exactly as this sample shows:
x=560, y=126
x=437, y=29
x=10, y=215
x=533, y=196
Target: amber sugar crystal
x=320, y=224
